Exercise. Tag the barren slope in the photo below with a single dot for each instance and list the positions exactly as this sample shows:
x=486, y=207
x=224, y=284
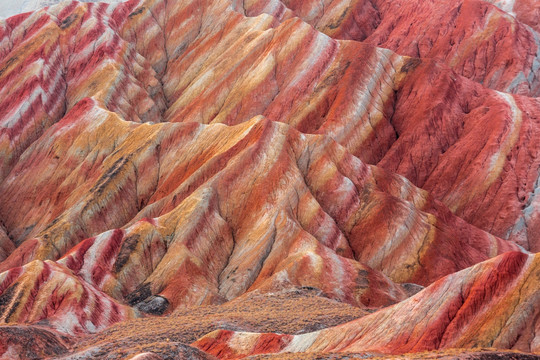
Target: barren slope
x=197, y=159
x=494, y=303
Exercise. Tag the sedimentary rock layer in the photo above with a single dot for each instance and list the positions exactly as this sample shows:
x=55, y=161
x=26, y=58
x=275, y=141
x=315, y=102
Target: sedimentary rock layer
x=492, y=180
x=361, y=96
x=50, y=60
x=48, y=294
x=475, y=38
x=526, y=11
x=490, y=304
x=158, y=155
x=312, y=215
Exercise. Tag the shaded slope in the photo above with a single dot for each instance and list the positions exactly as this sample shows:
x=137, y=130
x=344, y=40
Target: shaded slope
x=25, y=342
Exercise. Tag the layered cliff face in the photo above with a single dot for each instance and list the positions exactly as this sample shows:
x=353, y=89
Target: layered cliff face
x=159, y=156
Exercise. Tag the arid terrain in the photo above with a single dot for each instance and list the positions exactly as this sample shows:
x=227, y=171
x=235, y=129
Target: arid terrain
x=266, y=179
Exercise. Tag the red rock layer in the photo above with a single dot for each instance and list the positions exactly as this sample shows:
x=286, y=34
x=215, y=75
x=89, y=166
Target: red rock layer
x=258, y=178
x=332, y=111
x=494, y=303
x=475, y=38
x=361, y=96
x=6, y=245
x=50, y=60
x=526, y=11
x=49, y=294
x=312, y=216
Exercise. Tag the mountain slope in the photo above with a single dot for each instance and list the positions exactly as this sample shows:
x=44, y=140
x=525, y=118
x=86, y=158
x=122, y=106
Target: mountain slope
x=161, y=156
x=491, y=304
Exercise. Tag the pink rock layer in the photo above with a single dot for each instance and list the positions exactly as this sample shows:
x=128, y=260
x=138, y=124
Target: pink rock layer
x=494, y=303
x=158, y=155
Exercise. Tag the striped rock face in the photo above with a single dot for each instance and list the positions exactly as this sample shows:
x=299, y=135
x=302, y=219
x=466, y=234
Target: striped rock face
x=474, y=38
x=10, y=8
x=158, y=157
x=447, y=314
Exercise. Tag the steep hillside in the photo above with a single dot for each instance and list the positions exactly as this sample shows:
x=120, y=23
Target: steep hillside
x=494, y=303
x=220, y=163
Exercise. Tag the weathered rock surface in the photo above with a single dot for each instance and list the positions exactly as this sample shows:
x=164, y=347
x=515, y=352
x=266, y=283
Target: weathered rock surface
x=294, y=310
x=10, y=8
x=475, y=38
x=313, y=215
x=494, y=303
x=47, y=294
x=35, y=342
x=180, y=160
x=526, y=11
x=361, y=96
